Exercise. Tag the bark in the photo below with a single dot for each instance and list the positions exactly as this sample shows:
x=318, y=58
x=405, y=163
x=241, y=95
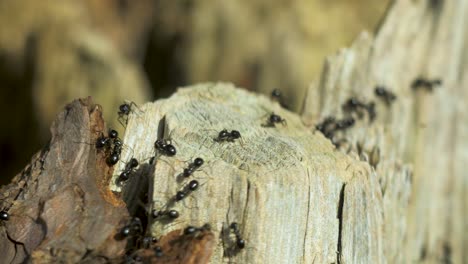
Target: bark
x=394, y=191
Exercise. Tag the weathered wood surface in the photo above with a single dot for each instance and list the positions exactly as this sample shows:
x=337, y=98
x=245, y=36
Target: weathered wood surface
x=282, y=185
x=60, y=206
x=421, y=138
x=395, y=193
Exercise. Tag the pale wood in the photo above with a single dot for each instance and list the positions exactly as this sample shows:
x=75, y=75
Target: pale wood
x=282, y=185
x=421, y=139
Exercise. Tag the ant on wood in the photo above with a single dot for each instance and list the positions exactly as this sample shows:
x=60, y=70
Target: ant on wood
x=189, y=188
x=225, y=135
x=192, y=230
x=274, y=119
x=355, y=105
x=240, y=242
x=329, y=126
x=422, y=83
x=387, y=96
x=133, y=228
x=129, y=168
x=171, y=214
x=165, y=147
x=124, y=112
x=113, y=144
x=192, y=167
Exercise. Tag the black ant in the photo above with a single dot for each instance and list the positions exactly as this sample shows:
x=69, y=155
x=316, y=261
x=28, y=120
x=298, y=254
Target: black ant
x=115, y=152
x=106, y=142
x=330, y=126
x=225, y=135
x=240, y=242
x=190, y=187
x=344, y=123
x=192, y=167
x=165, y=147
x=134, y=228
x=274, y=119
x=124, y=111
x=172, y=214
x=357, y=106
x=111, y=143
x=425, y=84
x=192, y=230
x=147, y=241
x=326, y=126
x=125, y=174
x=387, y=96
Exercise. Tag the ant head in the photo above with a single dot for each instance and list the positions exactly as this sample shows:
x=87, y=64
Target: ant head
x=235, y=134
x=274, y=118
x=101, y=142
x=173, y=214
x=124, y=108
x=193, y=185
x=133, y=163
x=234, y=226
x=113, y=133
x=198, y=162
x=170, y=150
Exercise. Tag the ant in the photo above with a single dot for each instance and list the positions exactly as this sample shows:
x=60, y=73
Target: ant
x=172, y=214
x=330, y=126
x=190, y=187
x=225, y=135
x=240, y=242
x=425, y=84
x=135, y=227
x=111, y=143
x=192, y=230
x=165, y=147
x=344, y=123
x=274, y=119
x=196, y=164
x=115, y=152
x=355, y=105
x=387, y=96
x=147, y=241
x=325, y=126
x=106, y=142
x=124, y=111
x=125, y=174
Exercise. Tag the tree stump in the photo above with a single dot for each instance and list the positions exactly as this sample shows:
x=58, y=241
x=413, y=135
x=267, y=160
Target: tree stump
x=394, y=191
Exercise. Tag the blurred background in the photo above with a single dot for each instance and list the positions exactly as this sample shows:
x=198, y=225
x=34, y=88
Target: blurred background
x=54, y=51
